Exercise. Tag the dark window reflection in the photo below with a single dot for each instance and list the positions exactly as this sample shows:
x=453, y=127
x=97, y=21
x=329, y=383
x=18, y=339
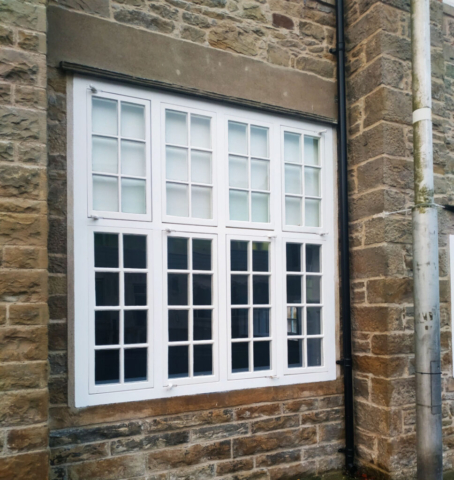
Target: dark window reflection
x=239, y=285
x=135, y=326
x=260, y=257
x=135, y=251
x=177, y=253
x=178, y=325
x=135, y=288
x=106, y=250
x=178, y=362
x=177, y=289
x=202, y=325
x=293, y=257
x=107, y=366
x=294, y=289
x=261, y=356
x=201, y=288
x=201, y=254
x=295, y=353
x=240, y=323
x=312, y=258
x=294, y=320
x=240, y=357
x=135, y=364
x=314, y=320
x=203, y=360
x=107, y=289
x=238, y=256
x=107, y=328
x=313, y=289
x=314, y=352
x=261, y=322
x=261, y=289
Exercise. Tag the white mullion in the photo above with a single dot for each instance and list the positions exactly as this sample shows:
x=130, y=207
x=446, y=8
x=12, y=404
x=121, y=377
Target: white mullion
x=122, y=305
x=189, y=166
x=191, y=310
x=120, y=113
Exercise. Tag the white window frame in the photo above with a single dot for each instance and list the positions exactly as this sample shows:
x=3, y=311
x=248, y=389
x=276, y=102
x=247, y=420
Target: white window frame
x=81, y=225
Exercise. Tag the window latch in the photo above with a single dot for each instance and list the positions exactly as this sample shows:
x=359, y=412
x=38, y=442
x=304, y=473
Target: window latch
x=95, y=217
x=93, y=89
x=169, y=386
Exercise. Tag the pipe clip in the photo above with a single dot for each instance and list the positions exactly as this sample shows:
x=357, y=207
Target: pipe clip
x=344, y=362
x=422, y=114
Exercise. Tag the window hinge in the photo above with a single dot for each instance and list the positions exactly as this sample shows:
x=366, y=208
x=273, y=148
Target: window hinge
x=93, y=89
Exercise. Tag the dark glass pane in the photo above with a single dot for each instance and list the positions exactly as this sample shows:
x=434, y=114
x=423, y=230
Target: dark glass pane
x=201, y=289
x=106, y=288
x=178, y=325
x=261, y=356
x=294, y=289
x=294, y=320
x=202, y=325
x=240, y=357
x=203, y=360
x=261, y=289
x=293, y=257
x=135, y=364
x=240, y=326
x=295, y=353
x=201, y=254
x=178, y=362
x=106, y=250
x=261, y=322
x=314, y=352
x=238, y=256
x=134, y=251
x=177, y=253
x=239, y=292
x=107, y=328
x=135, y=288
x=177, y=284
x=135, y=326
x=313, y=320
x=312, y=258
x=313, y=289
x=107, y=366
x=260, y=256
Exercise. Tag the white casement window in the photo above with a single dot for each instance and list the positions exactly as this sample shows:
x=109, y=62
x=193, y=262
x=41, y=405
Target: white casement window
x=201, y=241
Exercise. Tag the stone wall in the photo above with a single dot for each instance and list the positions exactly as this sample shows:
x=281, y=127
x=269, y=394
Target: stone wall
x=381, y=180
x=287, y=432
x=23, y=237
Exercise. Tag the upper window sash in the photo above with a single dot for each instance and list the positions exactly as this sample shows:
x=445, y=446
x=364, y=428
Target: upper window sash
x=189, y=165
x=118, y=152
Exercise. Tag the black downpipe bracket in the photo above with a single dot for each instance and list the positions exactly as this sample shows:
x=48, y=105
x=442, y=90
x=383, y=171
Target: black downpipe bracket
x=346, y=361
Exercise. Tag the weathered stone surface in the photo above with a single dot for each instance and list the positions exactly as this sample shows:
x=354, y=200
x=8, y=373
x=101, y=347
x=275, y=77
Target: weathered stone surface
x=19, y=408
x=195, y=419
x=145, y=20
x=277, y=423
x=232, y=466
x=390, y=290
x=23, y=286
x=393, y=392
x=207, y=471
x=22, y=344
x=278, y=458
x=379, y=420
x=19, y=124
x=19, y=376
x=376, y=318
x=257, y=411
x=58, y=390
x=33, y=466
x=228, y=37
x=149, y=442
x=25, y=257
x=108, y=469
x=178, y=458
x=95, y=7
x=282, y=21
x=193, y=34
x=23, y=14
x=25, y=439
x=381, y=366
x=220, y=431
x=78, y=453
x=324, y=68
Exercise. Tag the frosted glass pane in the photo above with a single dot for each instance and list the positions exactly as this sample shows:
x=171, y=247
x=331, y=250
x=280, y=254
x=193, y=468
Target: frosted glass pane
x=260, y=207
x=238, y=172
x=201, y=202
x=292, y=147
x=200, y=167
x=200, y=131
x=260, y=177
x=133, y=158
x=311, y=156
x=259, y=141
x=293, y=179
x=177, y=200
x=132, y=120
x=312, y=211
x=238, y=138
x=105, y=155
x=239, y=205
x=177, y=164
x=312, y=181
x=105, y=193
x=293, y=211
x=104, y=116
x=176, y=128
x=133, y=196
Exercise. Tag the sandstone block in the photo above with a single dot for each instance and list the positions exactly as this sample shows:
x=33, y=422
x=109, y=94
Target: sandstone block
x=387, y=104
x=276, y=423
x=233, y=466
x=58, y=337
x=30, y=97
x=6, y=151
x=23, y=286
x=395, y=454
x=108, y=469
x=23, y=343
x=18, y=376
x=22, y=229
x=220, y=431
x=324, y=68
x=57, y=238
x=380, y=420
x=278, y=56
x=58, y=390
x=377, y=318
x=331, y=432
x=380, y=366
x=301, y=405
x=78, y=453
x=58, y=307
x=282, y=21
x=393, y=392
x=390, y=290
x=212, y=417
x=21, y=181
x=393, y=344
x=6, y=36
x=252, y=11
x=272, y=459
x=28, y=314
x=24, y=257
x=58, y=363
x=178, y=458
x=33, y=466
x=207, y=471
x=228, y=37
x=302, y=470
x=23, y=408
x=257, y=411
x=193, y=34
x=313, y=30
x=321, y=416
x=21, y=124
x=25, y=439
x=145, y=20
x=149, y=442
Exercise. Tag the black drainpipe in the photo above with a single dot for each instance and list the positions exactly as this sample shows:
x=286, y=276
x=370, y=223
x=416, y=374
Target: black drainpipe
x=346, y=361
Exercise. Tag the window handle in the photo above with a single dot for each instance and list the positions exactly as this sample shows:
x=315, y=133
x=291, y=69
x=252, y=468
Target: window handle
x=169, y=386
x=273, y=377
x=95, y=217
x=93, y=89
